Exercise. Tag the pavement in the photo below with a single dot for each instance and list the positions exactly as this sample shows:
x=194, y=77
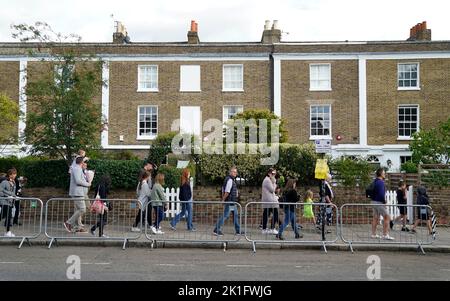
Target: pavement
x=358, y=235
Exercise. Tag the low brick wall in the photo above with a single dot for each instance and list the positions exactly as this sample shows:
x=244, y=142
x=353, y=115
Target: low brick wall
x=440, y=197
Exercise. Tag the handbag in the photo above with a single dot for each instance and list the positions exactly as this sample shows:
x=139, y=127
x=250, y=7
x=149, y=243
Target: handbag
x=97, y=206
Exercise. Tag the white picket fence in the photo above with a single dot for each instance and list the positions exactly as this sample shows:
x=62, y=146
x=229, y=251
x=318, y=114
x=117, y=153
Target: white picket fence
x=391, y=199
x=172, y=197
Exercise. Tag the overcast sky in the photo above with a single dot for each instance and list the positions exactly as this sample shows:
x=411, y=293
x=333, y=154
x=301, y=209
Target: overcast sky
x=231, y=20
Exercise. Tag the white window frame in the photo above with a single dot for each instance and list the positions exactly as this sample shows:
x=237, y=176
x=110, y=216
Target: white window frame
x=146, y=137
x=316, y=137
x=416, y=88
x=199, y=79
x=311, y=88
x=241, y=89
x=141, y=89
x=223, y=111
x=407, y=138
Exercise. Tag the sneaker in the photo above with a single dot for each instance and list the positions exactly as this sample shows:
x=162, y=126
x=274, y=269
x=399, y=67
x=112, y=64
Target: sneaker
x=274, y=231
x=404, y=229
x=81, y=225
x=192, y=230
x=280, y=237
x=376, y=236
x=159, y=232
x=413, y=231
x=135, y=229
x=92, y=231
x=387, y=237
x=9, y=234
x=172, y=227
x=260, y=227
x=265, y=231
x=67, y=226
x=153, y=229
x=239, y=233
x=218, y=233
x=105, y=236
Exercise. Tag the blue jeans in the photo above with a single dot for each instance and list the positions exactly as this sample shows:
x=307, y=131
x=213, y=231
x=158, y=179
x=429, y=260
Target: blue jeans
x=186, y=210
x=159, y=215
x=226, y=214
x=289, y=217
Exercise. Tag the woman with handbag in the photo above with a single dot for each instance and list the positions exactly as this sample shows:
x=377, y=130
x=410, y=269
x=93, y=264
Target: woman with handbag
x=7, y=194
x=102, y=191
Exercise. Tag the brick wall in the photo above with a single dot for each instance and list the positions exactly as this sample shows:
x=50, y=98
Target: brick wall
x=297, y=98
x=9, y=82
x=124, y=98
x=440, y=198
x=383, y=97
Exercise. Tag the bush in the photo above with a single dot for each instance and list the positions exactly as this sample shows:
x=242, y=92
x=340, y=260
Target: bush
x=172, y=175
x=161, y=147
x=409, y=167
x=295, y=161
x=352, y=173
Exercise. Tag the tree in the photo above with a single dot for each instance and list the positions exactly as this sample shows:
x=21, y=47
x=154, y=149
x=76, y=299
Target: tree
x=258, y=115
x=432, y=146
x=9, y=115
x=63, y=118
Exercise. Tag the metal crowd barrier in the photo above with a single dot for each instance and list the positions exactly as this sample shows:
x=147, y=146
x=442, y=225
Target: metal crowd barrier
x=119, y=221
x=28, y=213
x=356, y=226
x=310, y=231
x=205, y=215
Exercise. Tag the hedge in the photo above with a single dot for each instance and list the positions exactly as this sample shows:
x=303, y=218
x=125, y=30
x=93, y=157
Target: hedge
x=295, y=161
x=54, y=173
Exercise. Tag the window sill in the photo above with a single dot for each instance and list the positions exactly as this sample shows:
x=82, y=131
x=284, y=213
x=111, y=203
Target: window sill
x=143, y=138
x=405, y=138
x=196, y=91
x=320, y=90
x=152, y=90
x=232, y=90
x=312, y=138
x=409, y=89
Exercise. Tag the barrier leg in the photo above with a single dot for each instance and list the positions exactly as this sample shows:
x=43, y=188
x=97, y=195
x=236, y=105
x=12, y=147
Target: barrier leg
x=324, y=247
x=224, y=246
x=125, y=243
x=23, y=240
x=421, y=249
x=254, y=246
x=152, y=244
x=51, y=242
x=351, y=247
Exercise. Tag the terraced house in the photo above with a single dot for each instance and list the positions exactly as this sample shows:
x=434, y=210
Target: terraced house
x=367, y=97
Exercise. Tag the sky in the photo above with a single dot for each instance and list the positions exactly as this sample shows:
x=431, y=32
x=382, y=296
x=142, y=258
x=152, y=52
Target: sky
x=231, y=20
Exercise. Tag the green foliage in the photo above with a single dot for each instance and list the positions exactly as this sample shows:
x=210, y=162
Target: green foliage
x=258, y=115
x=172, y=176
x=9, y=115
x=432, y=146
x=161, y=147
x=294, y=162
x=100, y=154
x=409, y=167
x=440, y=178
x=64, y=117
x=352, y=173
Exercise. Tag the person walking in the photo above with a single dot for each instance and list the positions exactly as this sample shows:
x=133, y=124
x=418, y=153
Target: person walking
x=229, y=197
x=7, y=194
x=269, y=202
x=143, y=192
x=379, y=209
x=401, y=200
x=158, y=197
x=423, y=214
x=147, y=168
x=185, y=196
x=102, y=191
x=291, y=196
x=77, y=191
x=308, y=211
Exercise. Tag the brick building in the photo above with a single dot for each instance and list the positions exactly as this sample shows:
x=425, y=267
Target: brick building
x=367, y=97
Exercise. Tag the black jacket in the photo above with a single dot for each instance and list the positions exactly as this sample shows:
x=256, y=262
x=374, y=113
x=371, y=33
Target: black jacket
x=291, y=196
x=185, y=192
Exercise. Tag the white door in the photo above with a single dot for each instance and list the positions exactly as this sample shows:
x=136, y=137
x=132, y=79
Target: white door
x=190, y=120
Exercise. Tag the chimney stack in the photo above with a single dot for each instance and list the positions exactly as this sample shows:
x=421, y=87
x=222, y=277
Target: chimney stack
x=121, y=34
x=419, y=32
x=193, y=33
x=271, y=35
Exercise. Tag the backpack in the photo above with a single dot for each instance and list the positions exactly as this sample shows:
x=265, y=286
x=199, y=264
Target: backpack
x=370, y=190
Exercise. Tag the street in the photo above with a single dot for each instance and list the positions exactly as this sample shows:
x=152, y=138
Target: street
x=112, y=263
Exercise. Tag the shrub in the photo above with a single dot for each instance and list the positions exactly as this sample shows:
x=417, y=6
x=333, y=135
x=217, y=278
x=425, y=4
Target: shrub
x=409, y=167
x=172, y=175
x=351, y=172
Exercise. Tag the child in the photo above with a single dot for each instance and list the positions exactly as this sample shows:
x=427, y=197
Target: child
x=103, y=190
x=401, y=200
x=422, y=212
x=308, y=208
